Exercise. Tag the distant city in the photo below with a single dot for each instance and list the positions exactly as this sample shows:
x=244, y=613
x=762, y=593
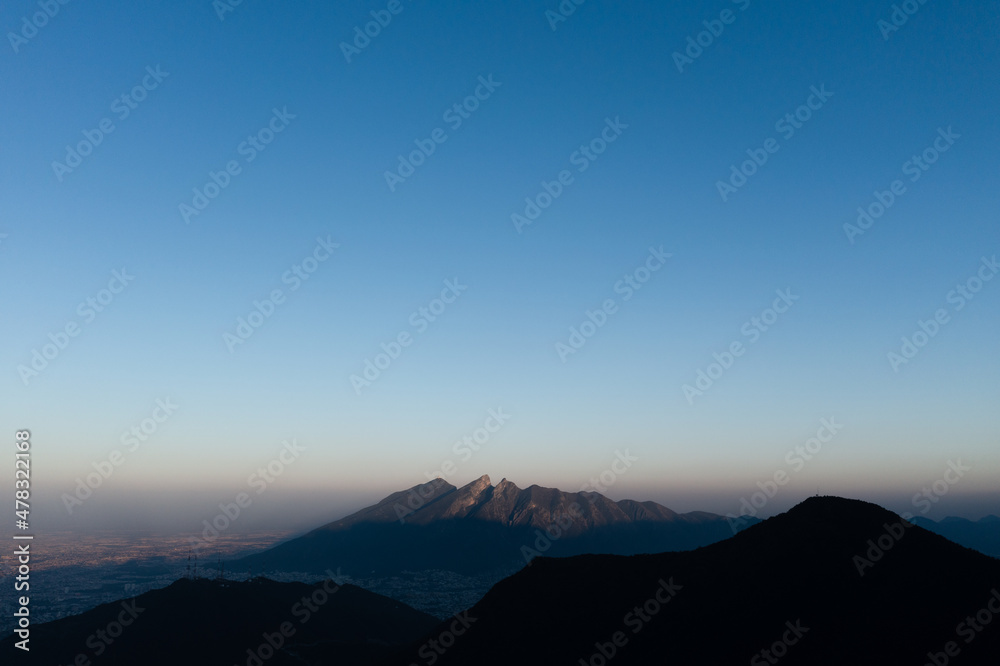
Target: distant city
x=73, y=573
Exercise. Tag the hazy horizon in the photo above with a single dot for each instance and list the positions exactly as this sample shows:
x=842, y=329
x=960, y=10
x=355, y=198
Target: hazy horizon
x=298, y=510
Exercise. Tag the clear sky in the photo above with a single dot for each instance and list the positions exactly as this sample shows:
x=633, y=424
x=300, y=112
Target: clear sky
x=252, y=146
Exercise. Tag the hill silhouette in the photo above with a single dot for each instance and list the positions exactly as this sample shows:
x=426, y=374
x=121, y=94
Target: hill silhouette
x=204, y=621
x=832, y=581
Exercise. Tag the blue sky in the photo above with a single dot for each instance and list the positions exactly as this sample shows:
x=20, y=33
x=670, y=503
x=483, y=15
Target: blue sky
x=343, y=126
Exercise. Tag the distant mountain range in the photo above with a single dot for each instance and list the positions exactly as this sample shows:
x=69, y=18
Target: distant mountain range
x=982, y=535
x=486, y=529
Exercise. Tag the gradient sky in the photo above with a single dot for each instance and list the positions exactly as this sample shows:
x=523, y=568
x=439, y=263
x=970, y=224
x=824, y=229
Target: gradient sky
x=495, y=346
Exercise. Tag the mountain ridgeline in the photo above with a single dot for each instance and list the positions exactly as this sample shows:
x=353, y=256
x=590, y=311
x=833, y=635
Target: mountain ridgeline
x=982, y=535
x=832, y=581
x=486, y=529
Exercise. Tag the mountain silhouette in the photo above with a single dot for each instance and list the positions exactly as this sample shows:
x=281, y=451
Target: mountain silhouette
x=484, y=529
x=832, y=581
x=217, y=622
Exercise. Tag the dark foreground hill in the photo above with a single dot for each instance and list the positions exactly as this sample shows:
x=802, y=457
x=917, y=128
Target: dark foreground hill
x=223, y=623
x=833, y=581
x=485, y=529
